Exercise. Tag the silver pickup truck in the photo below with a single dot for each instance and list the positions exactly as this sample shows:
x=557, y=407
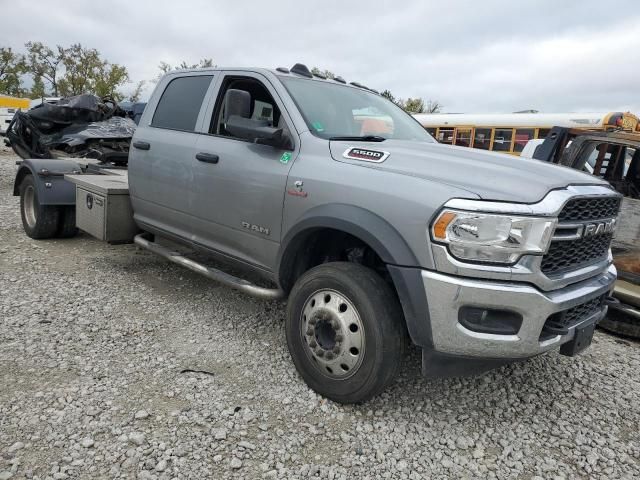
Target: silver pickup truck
x=346, y=206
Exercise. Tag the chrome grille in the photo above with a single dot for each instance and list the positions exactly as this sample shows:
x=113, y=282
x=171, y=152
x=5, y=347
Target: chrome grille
x=582, y=209
x=566, y=255
x=569, y=255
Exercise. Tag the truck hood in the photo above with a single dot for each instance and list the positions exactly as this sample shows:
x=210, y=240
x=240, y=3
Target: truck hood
x=491, y=176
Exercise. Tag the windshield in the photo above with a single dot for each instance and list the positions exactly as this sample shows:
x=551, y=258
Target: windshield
x=334, y=111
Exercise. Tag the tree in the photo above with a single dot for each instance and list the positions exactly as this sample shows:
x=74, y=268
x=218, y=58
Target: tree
x=73, y=71
x=135, y=95
x=108, y=78
x=203, y=63
x=43, y=62
x=164, y=68
x=433, y=106
x=82, y=68
x=388, y=95
x=167, y=67
x=12, y=66
x=85, y=71
x=37, y=89
x=414, y=105
x=323, y=73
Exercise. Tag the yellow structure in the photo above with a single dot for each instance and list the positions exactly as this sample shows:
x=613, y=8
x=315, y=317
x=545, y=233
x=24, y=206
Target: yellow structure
x=14, y=102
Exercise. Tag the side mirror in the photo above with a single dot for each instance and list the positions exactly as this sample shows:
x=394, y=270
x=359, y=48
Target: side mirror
x=257, y=131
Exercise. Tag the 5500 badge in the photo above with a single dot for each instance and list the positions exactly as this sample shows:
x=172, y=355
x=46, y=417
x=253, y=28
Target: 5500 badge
x=368, y=155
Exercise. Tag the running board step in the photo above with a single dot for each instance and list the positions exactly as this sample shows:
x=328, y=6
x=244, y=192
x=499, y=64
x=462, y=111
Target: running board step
x=212, y=273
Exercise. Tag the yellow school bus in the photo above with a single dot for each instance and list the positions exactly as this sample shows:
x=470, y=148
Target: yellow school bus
x=509, y=133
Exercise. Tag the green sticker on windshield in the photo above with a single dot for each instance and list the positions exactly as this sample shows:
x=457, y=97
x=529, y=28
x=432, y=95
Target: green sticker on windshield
x=318, y=126
x=286, y=156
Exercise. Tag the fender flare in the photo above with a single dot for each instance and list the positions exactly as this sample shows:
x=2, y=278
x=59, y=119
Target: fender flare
x=372, y=229
x=48, y=175
x=384, y=239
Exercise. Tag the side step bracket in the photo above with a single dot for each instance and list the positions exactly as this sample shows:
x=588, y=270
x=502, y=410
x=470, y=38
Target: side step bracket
x=212, y=273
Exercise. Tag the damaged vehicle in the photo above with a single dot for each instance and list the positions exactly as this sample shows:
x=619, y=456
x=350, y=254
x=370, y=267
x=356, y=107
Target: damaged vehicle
x=614, y=157
x=83, y=126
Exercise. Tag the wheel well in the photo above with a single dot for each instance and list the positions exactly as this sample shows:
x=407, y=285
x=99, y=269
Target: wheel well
x=322, y=245
x=22, y=172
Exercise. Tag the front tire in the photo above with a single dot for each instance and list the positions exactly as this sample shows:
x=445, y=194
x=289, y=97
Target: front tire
x=345, y=332
x=39, y=221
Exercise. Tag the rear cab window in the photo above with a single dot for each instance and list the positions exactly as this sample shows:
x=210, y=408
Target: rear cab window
x=180, y=104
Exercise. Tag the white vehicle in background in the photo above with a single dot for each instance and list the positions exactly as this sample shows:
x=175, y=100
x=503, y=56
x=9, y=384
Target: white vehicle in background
x=530, y=147
x=6, y=115
x=8, y=107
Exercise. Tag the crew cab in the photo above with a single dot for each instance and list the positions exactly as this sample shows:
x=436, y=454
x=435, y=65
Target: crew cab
x=373, y=232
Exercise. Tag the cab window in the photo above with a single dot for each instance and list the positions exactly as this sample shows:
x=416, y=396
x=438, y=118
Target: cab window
x=179, y=106
x=262, y=106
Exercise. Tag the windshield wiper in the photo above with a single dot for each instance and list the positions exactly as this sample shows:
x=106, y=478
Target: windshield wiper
x=363, y=138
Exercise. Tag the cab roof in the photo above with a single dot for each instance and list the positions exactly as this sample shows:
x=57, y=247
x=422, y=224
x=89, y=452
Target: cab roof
x=299, y=70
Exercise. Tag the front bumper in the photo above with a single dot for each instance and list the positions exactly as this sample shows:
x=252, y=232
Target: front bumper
x=446, y=294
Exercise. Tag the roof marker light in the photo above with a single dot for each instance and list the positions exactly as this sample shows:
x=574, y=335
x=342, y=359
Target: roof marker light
x=301, y=69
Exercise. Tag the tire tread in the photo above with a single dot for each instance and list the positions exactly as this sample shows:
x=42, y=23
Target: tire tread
x=378, y=298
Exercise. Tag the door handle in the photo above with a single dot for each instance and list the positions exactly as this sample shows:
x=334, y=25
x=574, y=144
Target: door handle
x=207, y=157
x=142, y=145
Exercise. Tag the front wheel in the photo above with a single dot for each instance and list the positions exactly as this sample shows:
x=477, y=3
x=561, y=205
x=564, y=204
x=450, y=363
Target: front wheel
x=345, y=332
x=39, y=221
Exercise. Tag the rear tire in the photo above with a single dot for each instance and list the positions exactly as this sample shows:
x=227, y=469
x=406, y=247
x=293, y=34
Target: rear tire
x=67, y=223
x=39, y=221
x=345, y=332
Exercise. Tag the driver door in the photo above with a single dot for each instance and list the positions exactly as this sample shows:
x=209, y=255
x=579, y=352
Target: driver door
x=239, y=186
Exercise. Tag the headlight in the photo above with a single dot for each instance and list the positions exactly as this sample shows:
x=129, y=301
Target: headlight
x=491, y=238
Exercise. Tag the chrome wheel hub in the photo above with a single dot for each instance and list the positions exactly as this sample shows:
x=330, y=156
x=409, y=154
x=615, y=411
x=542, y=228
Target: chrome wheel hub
x=333, y=334
x=30, y=206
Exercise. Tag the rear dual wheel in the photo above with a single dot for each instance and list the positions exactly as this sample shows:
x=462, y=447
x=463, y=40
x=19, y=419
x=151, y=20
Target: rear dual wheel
x=44, y=221
x=345, y=332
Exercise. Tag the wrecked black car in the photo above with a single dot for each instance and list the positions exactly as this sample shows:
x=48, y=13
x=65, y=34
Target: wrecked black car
x=83, y=126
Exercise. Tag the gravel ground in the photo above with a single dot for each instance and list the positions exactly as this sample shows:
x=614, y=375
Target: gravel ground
x=116, y=364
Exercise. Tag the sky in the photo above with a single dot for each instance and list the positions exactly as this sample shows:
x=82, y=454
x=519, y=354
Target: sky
x=480, y=56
